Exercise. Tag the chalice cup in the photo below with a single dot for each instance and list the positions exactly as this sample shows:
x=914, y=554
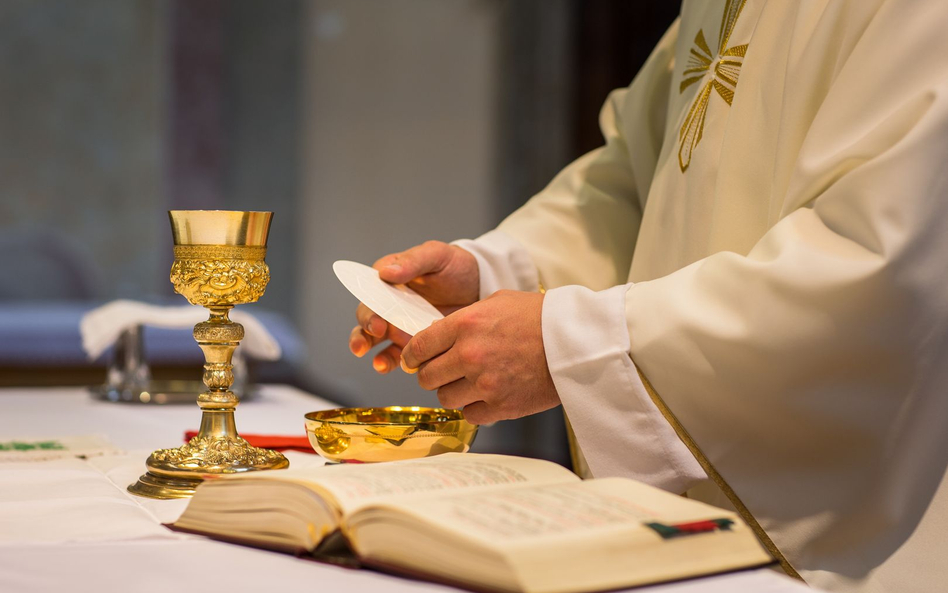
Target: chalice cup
x=218, y=263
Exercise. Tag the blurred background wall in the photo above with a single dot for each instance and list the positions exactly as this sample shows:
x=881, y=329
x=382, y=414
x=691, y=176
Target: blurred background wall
x=81, y=124
x=367, y=126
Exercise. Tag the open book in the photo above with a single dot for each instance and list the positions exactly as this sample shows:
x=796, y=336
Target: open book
x=486, y=522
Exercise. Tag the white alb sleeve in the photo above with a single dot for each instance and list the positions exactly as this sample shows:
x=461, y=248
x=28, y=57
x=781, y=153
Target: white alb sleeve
x=502, y=263
x=618, y=428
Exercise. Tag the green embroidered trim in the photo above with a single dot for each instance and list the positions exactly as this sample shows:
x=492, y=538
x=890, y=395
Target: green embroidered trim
x=33, y=446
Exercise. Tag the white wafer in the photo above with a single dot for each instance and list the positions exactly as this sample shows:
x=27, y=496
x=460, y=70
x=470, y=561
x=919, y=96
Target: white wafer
x=395, y=303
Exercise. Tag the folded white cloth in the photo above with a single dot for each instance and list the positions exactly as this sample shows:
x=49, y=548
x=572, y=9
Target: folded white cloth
x=102, y=326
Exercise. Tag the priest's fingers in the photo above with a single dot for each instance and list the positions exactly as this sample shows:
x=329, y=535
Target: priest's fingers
x=368, y=333
x=458, y=394
x=400, y=268
x=480, y=412
x=398, y=337
x=386, y=361
x=440, y=370
x=430, y=342
x=359, y=342
x=370, y=322
x=448, y=309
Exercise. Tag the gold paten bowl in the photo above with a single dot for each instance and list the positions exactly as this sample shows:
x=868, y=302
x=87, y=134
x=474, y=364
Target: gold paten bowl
x=370, y=435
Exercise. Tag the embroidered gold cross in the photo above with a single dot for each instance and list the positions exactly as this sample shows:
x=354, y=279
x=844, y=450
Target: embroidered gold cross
x=724, y=67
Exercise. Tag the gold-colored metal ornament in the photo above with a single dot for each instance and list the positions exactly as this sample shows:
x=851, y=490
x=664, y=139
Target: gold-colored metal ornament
x=369, y=435
x=218, y=263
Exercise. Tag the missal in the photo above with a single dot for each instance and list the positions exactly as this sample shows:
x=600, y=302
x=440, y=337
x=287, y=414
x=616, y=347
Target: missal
x=483, y=522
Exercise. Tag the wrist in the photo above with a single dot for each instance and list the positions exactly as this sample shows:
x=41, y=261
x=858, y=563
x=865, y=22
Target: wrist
x=465, y=268
x=502, y=263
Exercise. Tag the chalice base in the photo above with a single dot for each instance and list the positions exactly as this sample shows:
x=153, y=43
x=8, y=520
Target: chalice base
x=155, y=486
x=216, y=451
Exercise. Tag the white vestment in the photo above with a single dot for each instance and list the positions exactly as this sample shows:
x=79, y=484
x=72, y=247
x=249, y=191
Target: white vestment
x=765, y=234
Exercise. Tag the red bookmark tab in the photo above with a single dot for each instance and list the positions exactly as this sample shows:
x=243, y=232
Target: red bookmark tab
x=698, y=526
x=275, y=442
x=679, y=529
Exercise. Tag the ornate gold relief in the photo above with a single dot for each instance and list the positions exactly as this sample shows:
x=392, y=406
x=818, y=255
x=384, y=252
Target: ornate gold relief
x=209, y=280
x=248, y=252
x=207, y=331
x=724, y=67
x=206, y=452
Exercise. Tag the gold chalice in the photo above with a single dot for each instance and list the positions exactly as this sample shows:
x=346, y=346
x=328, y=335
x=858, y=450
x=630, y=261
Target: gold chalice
x=218, y=263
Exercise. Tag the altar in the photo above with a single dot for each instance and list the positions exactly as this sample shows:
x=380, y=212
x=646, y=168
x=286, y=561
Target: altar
x=70, y=524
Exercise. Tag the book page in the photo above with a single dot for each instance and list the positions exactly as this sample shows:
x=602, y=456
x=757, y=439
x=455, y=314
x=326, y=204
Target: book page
x=558, y=538
x=539, y=512
x=570, y=509
x=353, y=486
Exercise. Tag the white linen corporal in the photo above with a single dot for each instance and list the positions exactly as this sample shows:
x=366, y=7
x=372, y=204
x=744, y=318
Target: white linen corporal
x=102, y=326
x=772, y=192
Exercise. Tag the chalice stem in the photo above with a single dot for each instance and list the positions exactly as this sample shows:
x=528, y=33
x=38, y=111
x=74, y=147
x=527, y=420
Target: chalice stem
x=218, y=337
x=218, y=424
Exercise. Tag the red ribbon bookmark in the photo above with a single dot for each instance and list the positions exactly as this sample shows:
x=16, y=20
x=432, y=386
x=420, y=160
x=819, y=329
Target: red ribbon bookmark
x=275, y=442
x=679, y=529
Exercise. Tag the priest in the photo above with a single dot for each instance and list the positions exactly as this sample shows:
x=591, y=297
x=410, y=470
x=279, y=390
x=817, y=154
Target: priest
x=743, y=294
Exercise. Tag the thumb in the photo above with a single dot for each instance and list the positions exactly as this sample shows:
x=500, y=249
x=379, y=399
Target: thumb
x=401, y=268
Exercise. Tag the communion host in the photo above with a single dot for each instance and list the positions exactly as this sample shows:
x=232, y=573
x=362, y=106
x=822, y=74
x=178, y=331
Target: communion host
x=746, y=287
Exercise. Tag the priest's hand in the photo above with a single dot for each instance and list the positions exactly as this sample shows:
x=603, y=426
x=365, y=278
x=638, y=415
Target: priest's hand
x=487, y=358
x=445, y=275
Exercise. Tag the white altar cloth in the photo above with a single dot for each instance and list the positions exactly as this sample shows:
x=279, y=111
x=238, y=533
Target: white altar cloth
x=70, y=525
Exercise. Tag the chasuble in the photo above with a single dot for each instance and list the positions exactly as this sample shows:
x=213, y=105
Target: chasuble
x=747, y=285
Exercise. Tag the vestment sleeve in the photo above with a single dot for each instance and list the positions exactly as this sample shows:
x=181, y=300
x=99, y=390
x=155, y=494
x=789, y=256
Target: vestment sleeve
x=577, y=237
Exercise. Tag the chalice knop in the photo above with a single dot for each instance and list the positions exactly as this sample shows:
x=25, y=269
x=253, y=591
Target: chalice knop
x=218, y=263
